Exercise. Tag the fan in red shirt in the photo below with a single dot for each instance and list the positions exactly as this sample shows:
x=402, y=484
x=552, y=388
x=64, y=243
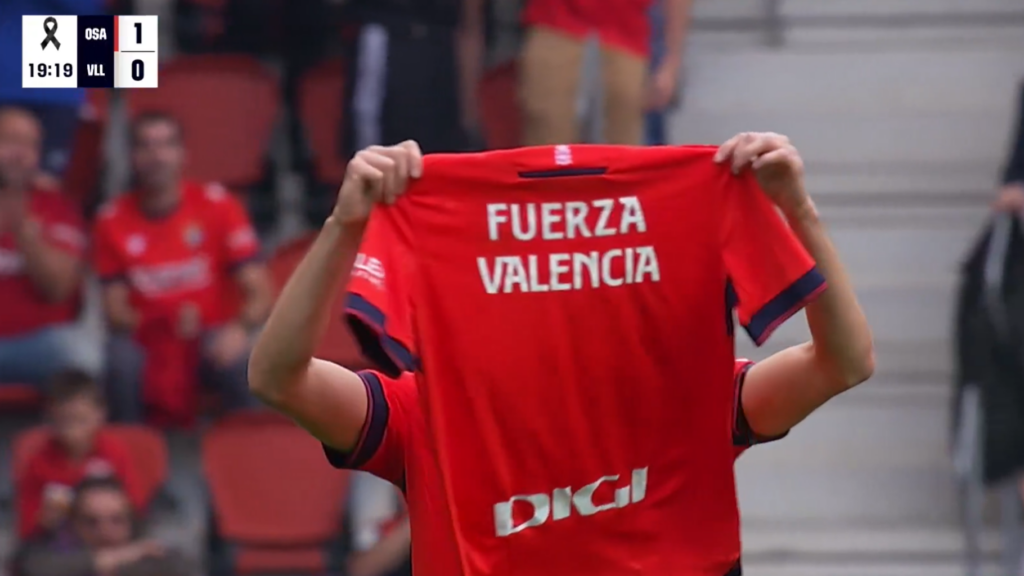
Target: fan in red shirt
x=76, y=448
x=41, y=247
x=356, y=414
x=550, y=66
x=184, y=289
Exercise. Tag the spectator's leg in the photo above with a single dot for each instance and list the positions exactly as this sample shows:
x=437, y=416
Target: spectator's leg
x=231, y=382
x=654, y=128
x=59, y=125
x=624, y=76
x=125, y=363
x=34, y=358
x=548, y=79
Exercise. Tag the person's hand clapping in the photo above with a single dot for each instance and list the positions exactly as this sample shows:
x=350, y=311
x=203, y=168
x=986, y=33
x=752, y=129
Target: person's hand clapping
x=378, y=174
x=776, y=163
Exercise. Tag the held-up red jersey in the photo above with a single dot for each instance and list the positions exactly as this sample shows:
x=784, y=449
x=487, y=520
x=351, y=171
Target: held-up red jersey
x=187, y=256
x=566, y=309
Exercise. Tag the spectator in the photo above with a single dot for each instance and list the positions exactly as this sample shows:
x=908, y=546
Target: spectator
x=381, y=540
x=183, y=288
x=415, y=71
x=1011, y=196
x=41, y=246
x=553, y=50
x=56, y=109
x=101, y=538
x=655, y=130
x=77, y=447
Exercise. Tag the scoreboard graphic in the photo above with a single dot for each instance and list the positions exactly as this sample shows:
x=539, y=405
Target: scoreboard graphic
x=89, y=52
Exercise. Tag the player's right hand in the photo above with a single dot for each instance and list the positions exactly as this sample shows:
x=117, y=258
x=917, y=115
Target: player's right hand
x=378, y=174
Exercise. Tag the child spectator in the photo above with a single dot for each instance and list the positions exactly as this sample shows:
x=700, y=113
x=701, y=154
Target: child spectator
x=77, y=448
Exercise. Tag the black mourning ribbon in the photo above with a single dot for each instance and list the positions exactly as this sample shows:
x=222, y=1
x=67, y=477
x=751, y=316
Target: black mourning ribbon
x=50, y=27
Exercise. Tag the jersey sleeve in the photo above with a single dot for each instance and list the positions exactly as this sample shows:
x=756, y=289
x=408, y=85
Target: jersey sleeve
x=771, y=276
x=378, y=307
x=389, y=415
x=240, y=243
x=107, y=260
x=742, y=435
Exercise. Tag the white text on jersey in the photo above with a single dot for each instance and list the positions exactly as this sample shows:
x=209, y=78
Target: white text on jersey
x=566, y=220
x=559, y=221
x=560, y=504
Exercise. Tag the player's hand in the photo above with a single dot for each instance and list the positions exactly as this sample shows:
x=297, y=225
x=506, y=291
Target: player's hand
x=1010, y=199
x=776, y=164
x=378, y=174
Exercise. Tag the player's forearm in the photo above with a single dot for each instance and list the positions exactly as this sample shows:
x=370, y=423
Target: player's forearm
x=297, y=321
x=677, y=24
x=53, y=273
x=840, y=334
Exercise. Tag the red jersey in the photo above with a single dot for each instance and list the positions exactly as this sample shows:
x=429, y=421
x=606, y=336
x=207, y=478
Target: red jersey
x=621, y=23
x=25, y=309
x=52, y=469
x=566, y=309
x=395, y=446
x=187, y=256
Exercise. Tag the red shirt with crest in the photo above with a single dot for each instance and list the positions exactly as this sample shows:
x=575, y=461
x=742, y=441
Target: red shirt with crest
x=25, y=309
x=185, y=257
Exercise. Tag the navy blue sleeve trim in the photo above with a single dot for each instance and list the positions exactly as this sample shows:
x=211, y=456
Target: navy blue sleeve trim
x=788, y=302
x=742, y=434
x=367, y=323
x=730, y=307
x=377, y=414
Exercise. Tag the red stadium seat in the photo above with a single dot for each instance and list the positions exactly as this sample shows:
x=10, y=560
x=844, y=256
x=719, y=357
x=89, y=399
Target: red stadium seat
x=320, y=103
x=275, y=501
x=338, y=345
x=19, y=397
x=500, y=115
x=146, y=445
x=227, y=106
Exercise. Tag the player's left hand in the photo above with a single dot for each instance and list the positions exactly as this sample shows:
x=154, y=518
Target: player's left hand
x=776, y=164
x=229, y=345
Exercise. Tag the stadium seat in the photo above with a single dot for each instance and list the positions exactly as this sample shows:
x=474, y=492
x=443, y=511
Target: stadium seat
x=19, y=398
x=277, y=506
x=320, y=101
x=500, y=116
x=84, y=173
x=227, y=105
x=338, y=345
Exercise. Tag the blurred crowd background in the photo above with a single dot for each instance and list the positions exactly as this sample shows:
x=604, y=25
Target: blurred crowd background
x=145, y=233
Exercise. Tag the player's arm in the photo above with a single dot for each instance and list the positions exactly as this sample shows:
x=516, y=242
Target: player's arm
x=782, y=390
x=326, y=399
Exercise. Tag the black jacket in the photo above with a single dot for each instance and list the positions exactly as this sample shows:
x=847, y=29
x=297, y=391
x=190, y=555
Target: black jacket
x=990, y=343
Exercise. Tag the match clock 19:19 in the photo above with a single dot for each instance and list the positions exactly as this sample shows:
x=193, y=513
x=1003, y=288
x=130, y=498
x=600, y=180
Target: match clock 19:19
x=42, y=70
